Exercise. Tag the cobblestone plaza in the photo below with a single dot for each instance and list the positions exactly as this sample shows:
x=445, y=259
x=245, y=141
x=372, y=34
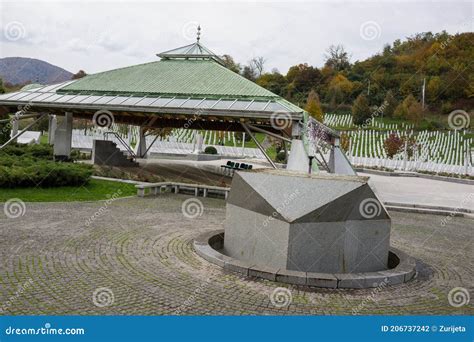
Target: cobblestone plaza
x=135, y=256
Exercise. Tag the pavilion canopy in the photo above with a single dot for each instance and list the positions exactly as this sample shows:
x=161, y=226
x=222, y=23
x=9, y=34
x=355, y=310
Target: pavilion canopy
x=186, y=81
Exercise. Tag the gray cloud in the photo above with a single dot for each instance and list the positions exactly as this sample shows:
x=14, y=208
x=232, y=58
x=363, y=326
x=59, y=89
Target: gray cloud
x=97, y=36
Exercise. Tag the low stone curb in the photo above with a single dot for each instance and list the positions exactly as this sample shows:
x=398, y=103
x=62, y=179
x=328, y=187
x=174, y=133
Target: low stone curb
x=120, y=180
x=404, y=268
x=427, y=210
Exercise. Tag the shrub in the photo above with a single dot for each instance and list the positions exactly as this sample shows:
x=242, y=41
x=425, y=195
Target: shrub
x=280, y=157
x=35, y=151
x=210, y=150
x=43, y=173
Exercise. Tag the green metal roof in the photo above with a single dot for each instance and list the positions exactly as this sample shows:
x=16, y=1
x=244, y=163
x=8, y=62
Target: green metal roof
x=184, y=78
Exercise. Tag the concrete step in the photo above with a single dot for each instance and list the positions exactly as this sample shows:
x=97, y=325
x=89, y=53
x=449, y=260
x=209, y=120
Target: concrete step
x=113, y=156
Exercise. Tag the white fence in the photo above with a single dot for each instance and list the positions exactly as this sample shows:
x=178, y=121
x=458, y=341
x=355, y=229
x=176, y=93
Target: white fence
x=412, y=165
x=179, y=142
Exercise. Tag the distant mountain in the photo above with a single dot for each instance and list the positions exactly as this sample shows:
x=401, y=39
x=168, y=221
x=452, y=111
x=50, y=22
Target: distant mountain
x=20, y=70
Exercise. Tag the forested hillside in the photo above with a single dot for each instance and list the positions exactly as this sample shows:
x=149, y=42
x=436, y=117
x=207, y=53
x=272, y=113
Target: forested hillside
x=442, y=61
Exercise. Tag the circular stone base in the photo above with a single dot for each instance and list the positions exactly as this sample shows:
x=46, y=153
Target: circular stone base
x=402, y=268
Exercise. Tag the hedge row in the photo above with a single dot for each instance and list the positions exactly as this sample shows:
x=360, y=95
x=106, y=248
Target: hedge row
x=27, y=166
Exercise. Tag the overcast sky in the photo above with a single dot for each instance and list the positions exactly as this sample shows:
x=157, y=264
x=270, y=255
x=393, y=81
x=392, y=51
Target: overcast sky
x=103, y=35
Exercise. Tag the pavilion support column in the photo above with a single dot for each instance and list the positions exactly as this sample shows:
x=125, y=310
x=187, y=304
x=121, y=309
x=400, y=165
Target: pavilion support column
x=63, y=138
x=338, y=161
x=52, y=124
x=298, y=159
x=141, y=144
x=198, y=142
x=15, y=123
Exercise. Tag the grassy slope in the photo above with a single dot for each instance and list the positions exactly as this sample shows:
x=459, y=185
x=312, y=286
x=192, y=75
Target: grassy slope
x=94, y=190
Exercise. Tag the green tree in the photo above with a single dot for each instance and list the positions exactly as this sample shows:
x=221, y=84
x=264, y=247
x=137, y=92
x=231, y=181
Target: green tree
x=390, y=104
x=275, y=82
x=302, y=78
x=337, y=58
x=313, y=106
x=361, y=110
x=249, y=73
x=78, y=75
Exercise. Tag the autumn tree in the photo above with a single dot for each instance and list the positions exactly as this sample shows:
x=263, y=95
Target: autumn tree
x=339, y=90
x=344, y=141
x=392, y=145
x=230, y=64
x=410, y=109
x=361, y=110
x=313, y=106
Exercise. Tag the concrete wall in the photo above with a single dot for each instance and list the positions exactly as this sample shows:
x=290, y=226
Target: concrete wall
x=254, y=237
x=339, y=247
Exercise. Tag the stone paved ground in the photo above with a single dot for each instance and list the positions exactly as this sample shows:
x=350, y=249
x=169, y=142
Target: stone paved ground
x=140, y=250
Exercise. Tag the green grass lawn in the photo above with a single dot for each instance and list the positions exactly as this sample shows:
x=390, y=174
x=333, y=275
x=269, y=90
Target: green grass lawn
x=93, y=191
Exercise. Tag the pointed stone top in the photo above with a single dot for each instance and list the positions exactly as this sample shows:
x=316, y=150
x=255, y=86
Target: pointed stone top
x=293, y=197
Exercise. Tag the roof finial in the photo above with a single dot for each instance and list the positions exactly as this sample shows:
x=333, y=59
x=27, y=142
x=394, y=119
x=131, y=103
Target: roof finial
x=198, y=33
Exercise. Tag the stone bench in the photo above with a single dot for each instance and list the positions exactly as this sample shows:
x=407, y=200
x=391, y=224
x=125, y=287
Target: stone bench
x=156, y=188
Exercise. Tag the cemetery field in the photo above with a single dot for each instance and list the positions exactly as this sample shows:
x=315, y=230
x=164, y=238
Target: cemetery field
x=94, y=190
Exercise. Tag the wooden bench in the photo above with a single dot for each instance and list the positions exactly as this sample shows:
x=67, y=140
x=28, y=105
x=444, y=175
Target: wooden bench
x=156, y=188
